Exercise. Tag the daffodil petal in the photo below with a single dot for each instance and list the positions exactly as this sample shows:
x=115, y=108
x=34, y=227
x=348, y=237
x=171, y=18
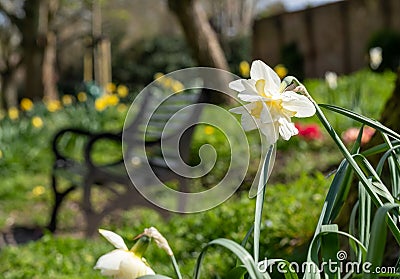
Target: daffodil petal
x=239, y=110
x=260, y=70
x=110, y=262
x=271, y=132
x=133, y=267
x=287, y=129
x=249, y=87
x=266, y=116
x=237, y=85
x=114, y=239
x=248, y=122
x=250, y=98
x=298, y=103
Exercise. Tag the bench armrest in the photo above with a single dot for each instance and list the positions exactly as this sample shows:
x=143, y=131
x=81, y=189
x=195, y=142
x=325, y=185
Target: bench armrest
x=117, y=137
x=61, y=133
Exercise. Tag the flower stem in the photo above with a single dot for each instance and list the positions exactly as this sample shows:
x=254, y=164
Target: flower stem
x=176, y=267
x=260, y=203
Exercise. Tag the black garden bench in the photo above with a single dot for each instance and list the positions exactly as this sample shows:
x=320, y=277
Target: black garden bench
x=112, y=176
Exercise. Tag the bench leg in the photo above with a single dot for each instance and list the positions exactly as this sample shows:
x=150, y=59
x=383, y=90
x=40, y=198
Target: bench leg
x=92, y=219
x=58, y=198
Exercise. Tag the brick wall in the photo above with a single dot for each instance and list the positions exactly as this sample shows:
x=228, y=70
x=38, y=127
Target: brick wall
x=332, y=37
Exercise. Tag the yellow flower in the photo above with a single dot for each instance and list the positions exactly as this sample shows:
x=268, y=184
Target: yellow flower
x=112, y=100
x=38, y=191
x=53, y=105
x=158, y=75
x=209, y=130
x=110, y=87
x=167, y=82
x=67, y=99
x=244, y=68
x=121, y=108
x=100, y=104
x=26, y=104
x=37, y=122
x=122, y=91
x=281, y=70
x=13, y=113
x=177, y=86
x=82, y=97
x=1, y=154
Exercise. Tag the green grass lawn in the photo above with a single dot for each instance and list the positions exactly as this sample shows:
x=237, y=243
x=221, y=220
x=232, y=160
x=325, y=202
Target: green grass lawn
x=294, y=196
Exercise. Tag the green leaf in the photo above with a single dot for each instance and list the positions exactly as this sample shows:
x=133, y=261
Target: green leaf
x=377, y=186
x=236, y=249
x=329, y=248
x=350, y=159
x=247, y=236
x=365, y=120
x=338, y=191
x=236, y=273
x=379, y=148
x=353, y=230
x=378, y=239
x=157, y=276
x=313, y=254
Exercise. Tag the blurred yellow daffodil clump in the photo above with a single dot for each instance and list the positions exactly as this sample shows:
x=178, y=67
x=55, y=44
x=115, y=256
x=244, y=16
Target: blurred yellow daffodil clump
x=244, y=69
x=53, y=105
x=281, y=70
x=209, y=130
x=106, y=100
x=37, y=122
x=26, y=104
x=13, y=113
x=169, y=83
x=38, y=191
x=82, y=97
x=122, y=91
x=110, y=87
x=67, y=99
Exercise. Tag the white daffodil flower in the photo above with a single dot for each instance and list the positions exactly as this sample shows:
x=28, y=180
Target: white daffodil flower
x=331, y=79
x=375, y=57
x=122, y=263
x=270, y=108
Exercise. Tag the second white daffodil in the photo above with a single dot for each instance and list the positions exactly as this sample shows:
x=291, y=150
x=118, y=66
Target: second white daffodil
x=270, y=108
x=123, y=263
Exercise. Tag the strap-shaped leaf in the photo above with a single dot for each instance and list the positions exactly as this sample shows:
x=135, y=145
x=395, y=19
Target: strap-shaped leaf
x=157, y=276
x=239, y=251
x=362, y=119
x=378, y=239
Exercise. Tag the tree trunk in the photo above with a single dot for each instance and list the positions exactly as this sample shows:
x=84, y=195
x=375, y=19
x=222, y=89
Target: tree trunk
x=200, y=37
x=199, y=33
x=49, y=68
x=33, y=45
x=9, y=89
